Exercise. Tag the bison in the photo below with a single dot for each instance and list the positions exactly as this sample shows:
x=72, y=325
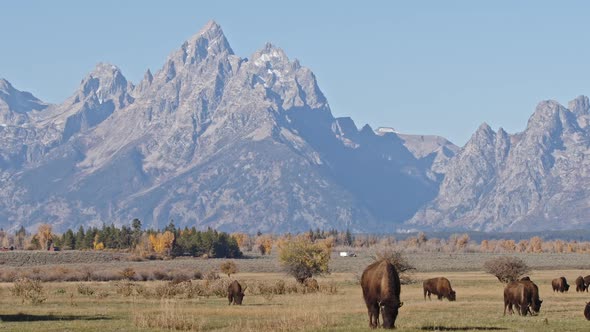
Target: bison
x=560, y=285
x=381, y=288
x=235, y=293
x=580, y=284
x=587, y=311
x=441, y=287
x=587, y=282
x=524, y=295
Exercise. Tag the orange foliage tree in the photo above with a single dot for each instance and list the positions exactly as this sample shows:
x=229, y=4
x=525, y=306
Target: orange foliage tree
x=264, y=244
x=45, y=236
x=162, y=242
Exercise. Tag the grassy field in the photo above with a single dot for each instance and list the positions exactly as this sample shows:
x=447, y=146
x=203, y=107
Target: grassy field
x=478, y=308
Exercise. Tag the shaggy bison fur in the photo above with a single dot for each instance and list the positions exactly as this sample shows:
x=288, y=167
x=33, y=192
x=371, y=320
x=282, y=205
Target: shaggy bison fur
x=560, y=285
x=381, y=288
x=235, y=293
x=524, y=295
x=441, y=287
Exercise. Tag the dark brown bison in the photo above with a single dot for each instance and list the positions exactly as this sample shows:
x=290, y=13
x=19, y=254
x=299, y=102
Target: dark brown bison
x=441, y=287
x=587, y=282
x=524, y=295
x=580, y=285
x=587, y=311
x=381, y=288
x=560, y=285
x=235, y=293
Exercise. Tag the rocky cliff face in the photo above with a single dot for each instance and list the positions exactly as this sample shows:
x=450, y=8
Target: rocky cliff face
x=532, y=180
x=210, y=139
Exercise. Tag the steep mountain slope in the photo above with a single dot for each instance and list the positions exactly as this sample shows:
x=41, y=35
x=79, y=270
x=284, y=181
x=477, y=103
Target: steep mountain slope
x=210, y=139
x=533, y=180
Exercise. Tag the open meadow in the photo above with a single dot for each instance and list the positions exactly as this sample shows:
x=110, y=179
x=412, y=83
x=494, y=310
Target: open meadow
x=274, y=302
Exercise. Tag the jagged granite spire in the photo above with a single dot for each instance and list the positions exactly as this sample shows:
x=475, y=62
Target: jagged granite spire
x=16, y=104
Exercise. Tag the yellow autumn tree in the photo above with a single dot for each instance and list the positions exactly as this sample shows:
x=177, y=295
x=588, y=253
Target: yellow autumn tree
x=97, y=245
x=45, y=236
x=535, y=245
x=241, y=238
x=303, y=258
x=264, y=244
x=162, y=242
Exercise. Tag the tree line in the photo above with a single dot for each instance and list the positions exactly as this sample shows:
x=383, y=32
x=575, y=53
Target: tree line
x=170, y=241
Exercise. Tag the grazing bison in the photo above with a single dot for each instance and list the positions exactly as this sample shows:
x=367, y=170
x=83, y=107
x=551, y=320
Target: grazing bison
x=381, y=288
x=441, y=287
x=580, y=284
x=587, y=282
x=587, y=311
x=560, y=285
x=524, y=295
x=235, y=293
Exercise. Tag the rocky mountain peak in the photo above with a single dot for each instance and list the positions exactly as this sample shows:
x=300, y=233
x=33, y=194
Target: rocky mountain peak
x=270, y=56
x=579, y=106
x=104, y=81
x=15, y=104
x=5, y=85
x=484, y=135
x=208, y=42
x=551, y=118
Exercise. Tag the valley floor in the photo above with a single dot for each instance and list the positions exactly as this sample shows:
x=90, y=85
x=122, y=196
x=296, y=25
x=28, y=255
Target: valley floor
x=479, y=306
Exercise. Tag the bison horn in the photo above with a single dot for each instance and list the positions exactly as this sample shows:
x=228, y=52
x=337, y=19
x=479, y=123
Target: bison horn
x=400, y=304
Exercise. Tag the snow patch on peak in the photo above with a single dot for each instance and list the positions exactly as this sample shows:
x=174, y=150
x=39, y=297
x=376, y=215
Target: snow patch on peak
x=270, y=54
x=385, y=130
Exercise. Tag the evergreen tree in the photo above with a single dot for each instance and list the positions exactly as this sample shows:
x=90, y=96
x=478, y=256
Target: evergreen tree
x=135, y=232
x=68, y=240
x=348, y=238
x=80, y=236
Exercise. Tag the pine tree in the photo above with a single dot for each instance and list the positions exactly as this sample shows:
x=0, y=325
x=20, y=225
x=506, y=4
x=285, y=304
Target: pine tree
x=80, y=236
x=69, y=240
x=135, y=232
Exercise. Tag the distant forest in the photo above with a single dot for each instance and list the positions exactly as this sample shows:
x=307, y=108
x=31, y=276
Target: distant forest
x=172, y=241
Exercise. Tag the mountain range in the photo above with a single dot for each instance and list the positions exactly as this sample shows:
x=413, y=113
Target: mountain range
x=212, y=139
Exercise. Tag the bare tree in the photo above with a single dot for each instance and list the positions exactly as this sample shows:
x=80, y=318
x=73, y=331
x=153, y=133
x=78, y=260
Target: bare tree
x=404, y=268
x=506, y=268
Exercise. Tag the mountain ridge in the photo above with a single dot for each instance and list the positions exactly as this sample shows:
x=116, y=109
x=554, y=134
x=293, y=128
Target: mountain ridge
x=209, y=139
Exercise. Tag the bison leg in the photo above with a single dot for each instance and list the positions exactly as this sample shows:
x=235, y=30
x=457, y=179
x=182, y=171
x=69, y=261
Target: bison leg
x=425, y=291
x=373, y=315
x=510, y=310
x=230, y=298
x=439, y=297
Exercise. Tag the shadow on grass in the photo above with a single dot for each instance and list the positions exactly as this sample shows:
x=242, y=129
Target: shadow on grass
x=462, y=328
x=20, y=317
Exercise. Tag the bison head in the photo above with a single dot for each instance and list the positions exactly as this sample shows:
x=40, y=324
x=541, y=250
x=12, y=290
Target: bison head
x=536, y=306
x=452, y=296
x=389, y=313
x=240, y=296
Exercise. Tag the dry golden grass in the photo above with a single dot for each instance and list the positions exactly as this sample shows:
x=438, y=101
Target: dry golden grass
x=479, y=307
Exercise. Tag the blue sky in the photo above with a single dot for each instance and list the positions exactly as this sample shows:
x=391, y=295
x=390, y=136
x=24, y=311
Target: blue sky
x=422, y=67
